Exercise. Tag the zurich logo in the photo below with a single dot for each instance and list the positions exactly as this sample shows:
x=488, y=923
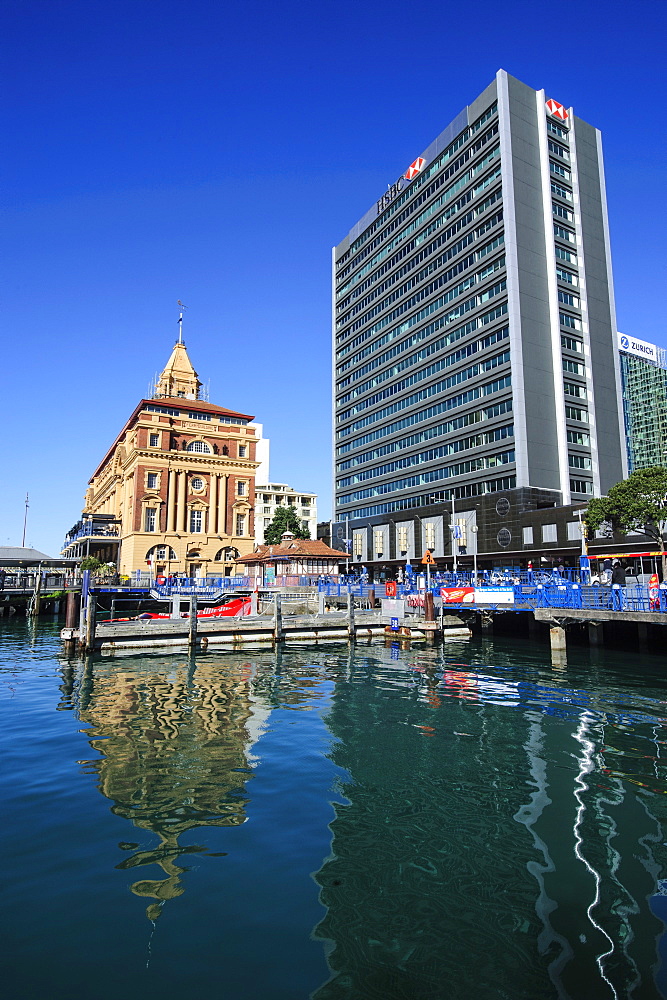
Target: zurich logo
x=625, y=343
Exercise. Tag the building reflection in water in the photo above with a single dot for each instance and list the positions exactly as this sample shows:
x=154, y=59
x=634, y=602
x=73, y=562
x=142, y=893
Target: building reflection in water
x=175, y=745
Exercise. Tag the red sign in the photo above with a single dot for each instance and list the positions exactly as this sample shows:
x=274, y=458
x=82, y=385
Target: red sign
x=654, y=593
x=457, y=595
x=414, y=168
x=557, y=110
x=390, y=588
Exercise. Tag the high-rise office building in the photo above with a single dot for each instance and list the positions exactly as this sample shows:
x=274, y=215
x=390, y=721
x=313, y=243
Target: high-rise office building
x=474, y=333
x=644, y=381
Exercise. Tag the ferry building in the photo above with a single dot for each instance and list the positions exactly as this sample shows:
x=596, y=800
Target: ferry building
x=175, y=493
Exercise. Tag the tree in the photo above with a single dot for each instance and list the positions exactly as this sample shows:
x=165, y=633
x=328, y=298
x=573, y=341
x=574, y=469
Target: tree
x=90, y=562
x=284, y=519
x=638, y=503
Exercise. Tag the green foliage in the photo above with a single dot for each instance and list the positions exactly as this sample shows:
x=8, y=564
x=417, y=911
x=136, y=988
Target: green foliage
x=90, y=562
x=284, y=519
x=638, y=503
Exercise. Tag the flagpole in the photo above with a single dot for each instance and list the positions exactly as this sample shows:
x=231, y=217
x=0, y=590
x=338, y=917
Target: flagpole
x=25, y=519
x=454, y=533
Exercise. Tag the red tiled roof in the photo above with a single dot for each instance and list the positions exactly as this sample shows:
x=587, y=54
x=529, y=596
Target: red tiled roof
x=297, y=548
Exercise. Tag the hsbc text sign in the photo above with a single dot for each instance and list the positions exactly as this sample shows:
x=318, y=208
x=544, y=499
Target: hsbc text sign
x=409, y=174
x=638, y=347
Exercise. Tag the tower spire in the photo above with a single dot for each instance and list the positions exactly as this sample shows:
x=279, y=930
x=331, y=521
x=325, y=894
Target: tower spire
x=178, y=379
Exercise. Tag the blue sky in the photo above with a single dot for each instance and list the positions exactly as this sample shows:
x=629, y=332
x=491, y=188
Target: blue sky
x=214, y=153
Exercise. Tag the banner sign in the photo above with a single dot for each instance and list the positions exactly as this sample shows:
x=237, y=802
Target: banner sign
x=494, y=595
x=640, y=348
x=457, y=595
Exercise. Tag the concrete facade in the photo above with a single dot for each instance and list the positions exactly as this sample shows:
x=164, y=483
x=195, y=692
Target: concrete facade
x=474, y=327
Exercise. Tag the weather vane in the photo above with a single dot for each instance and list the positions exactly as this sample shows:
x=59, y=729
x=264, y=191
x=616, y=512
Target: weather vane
x=182, y=307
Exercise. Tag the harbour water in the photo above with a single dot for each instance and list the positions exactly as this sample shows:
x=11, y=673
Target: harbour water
x=332, y=823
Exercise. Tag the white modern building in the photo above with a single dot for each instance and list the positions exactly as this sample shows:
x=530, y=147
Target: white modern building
x=272, y=495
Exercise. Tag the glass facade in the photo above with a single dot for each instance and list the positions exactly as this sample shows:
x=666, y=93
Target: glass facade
x=645, y=410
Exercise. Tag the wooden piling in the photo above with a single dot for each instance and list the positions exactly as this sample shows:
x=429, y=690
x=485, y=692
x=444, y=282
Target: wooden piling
x=72, y=609
x=91, y=607
x=350, y=615
x=192, y=630
x=277, y=620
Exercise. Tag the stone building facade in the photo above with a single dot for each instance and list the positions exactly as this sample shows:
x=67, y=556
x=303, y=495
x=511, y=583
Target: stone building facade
x=180, y=480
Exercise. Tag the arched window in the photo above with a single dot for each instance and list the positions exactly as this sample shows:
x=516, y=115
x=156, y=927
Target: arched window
x=200, y=446
x=226, y=554
x=160, y=552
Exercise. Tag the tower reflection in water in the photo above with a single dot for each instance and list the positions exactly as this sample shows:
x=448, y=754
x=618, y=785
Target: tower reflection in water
x=175, y=747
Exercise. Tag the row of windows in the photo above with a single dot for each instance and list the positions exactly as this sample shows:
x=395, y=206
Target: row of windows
x=152, y=408
x=573, y=389
x=579, y=461
x=571, y=344
x=568, y=276
x=561, y=233
x=460, y=203
x=417, y=278
x=427, y=311
x=581, y=486
x=428, y=434
x=560, y=191
x=568, y=299
x=196, y=526
x=567, y=255
x=447, y=427
x=199, y=416
x=573, y=367
x=200, y=447
x=413, y=282
x=421, y=198
x=426, y=352
x=442, y=451
x=478, y=392
x=422, y=179
x=414, y=243
x=558, y=130
x=462, y=492
x=562, y=212
x=555, y=147
x=446, y=196
x=421, y=395
x=436, y=475
x=559, y=170
x=572, y=322
x=461, y=376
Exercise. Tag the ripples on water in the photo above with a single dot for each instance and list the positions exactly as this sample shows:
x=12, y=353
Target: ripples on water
x=461, y=822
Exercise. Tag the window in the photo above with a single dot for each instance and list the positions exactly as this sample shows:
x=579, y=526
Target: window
x=429, y=531
x=578, y=437
x=267, y=522
x=306, y=511
x=200, y=446
x=564, y=275
x=562, y=133
x=403, y=540
x=581, y=486
x=527, y=535
x=559, y=169
x=240, y=524
x=243, y=450
x=196, y=521
x=154, y=440
x=266, y=510
x=573, y=389
x=579, y=461
x=197, y=483
x=570, y=321
x=199, y=416
x=573, y=531
x=549, y=533
x=562, y=212
x=571, y=344
x=151, y=480
x=568, y=299
x=567, y=255
x=150, y=518
x=241, y=489
x=559, y=150
x=564, y=234
x=358, y=543
x=574, y=367
x=561, y=191
x=575, y=413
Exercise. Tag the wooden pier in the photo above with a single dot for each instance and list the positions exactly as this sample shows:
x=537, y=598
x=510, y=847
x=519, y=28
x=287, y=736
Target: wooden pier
x=260, y=629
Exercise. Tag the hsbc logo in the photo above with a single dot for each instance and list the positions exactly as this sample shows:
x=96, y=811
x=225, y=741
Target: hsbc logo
x=414, y=168
x=409, y=175
x=557, y=110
